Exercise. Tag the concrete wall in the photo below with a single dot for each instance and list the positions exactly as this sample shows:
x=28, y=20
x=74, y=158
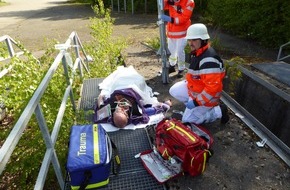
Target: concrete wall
x=265, y=102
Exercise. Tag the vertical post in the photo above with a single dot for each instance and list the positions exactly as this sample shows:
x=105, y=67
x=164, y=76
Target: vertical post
x=77, y=51
x=132, y=2
x=163, y=50
x=64, y=63
x=112, y=4
x=10, y=47
x=125, y=6
x=50, y=155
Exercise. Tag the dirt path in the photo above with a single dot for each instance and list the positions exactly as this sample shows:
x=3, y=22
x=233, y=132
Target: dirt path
x=237, y=162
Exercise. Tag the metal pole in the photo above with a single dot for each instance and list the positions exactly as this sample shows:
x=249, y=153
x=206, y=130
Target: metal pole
x=163, y=51
x=125, y=6
x=132, y=3
x=10, y=47
x=112, y=4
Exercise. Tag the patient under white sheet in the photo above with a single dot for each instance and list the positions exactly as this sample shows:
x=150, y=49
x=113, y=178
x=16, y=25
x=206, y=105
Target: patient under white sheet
x=128, y=77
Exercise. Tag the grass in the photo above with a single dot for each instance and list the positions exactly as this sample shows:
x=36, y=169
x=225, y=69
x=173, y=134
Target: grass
x=3, y=4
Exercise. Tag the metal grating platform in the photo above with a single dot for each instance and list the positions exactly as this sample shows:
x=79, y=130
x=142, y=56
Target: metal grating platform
x=130, y=143
x=139, y=180
x=90, y=92
x=133, y=175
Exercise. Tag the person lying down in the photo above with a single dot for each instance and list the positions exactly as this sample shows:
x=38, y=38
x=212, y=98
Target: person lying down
x=125, y=99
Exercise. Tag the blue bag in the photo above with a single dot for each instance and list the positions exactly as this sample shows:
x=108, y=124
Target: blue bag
x=89, y=156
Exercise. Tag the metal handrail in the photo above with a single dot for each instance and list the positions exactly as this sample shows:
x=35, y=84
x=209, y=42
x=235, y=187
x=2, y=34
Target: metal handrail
x=34, y=106
x=9, y=41
x=12, y=53
x=279, y=58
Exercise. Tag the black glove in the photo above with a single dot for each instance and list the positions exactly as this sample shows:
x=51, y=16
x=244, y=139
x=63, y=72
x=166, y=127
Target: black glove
x=170, y=2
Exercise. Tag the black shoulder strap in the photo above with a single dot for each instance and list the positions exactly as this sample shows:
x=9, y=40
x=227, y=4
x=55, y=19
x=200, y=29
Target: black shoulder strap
x=116, y=162
x=88, y=175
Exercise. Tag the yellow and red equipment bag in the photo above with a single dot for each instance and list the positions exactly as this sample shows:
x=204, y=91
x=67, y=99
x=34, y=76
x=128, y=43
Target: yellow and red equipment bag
x=189, y=142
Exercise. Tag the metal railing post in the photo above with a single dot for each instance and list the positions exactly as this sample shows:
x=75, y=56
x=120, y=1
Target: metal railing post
x=112, y=4
x=50, y=155
x=33, y=106
x=279, y=58
x=163, y=50
x=68, y=81
x=78, y=55
x=10, y=47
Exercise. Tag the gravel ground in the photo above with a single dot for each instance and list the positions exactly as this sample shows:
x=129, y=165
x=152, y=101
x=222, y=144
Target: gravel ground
x=237, y=162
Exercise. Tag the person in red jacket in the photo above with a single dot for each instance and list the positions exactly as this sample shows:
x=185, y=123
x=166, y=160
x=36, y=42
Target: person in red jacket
x=202, y=88
x=178, y=21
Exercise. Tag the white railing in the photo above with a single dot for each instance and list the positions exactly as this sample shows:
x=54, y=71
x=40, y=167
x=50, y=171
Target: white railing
x=10, y=42
x=34, y=106
x=279, y=57
x=12, y=52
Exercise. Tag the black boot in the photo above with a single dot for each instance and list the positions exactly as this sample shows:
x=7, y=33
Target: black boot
x=225, y=116
x=180, y=73
x=171, y=69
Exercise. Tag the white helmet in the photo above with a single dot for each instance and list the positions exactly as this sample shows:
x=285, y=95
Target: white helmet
x=197, y=31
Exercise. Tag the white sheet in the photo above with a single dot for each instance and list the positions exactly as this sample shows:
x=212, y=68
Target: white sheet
x=127, y=77
x=154, y=119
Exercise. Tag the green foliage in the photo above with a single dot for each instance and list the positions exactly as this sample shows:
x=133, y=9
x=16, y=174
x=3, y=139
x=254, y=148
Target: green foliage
x=3, y=51
x=2, y=3
x=154, y=43
x=21, y=82
x=18, y=88
x=200, y=6
x=264, y=21
x=233, y=72
x=105, y=50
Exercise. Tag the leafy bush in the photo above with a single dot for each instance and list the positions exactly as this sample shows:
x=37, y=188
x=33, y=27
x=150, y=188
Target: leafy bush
x=264, y=21
x=234, y=74
x=106, y=51
x=20, y=84
x=3, y=51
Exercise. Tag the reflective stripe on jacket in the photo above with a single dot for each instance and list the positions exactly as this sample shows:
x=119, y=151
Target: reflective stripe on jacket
x=205, y=75
x=181, y=13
